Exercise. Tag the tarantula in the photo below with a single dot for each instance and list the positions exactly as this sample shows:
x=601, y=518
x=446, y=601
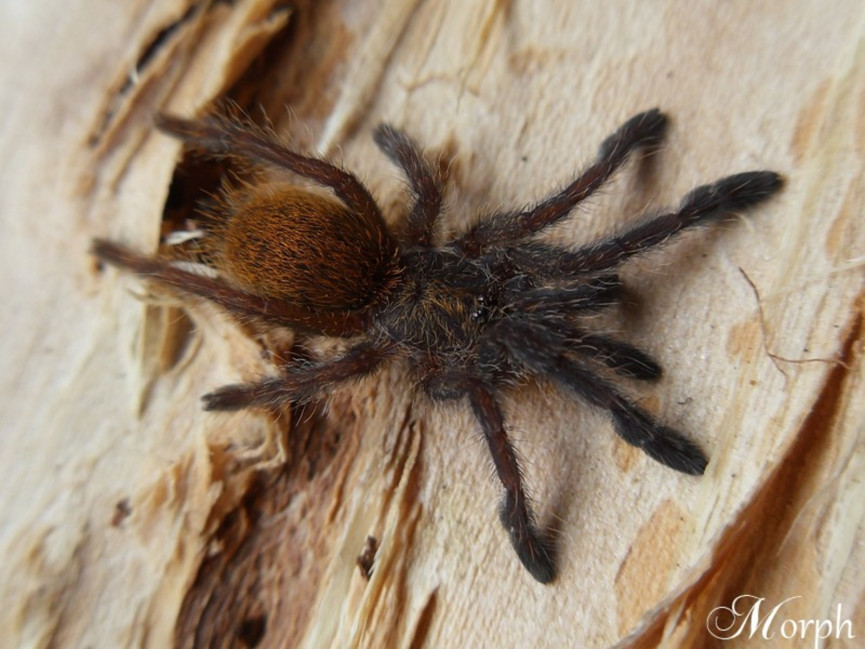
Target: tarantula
x=470, y=316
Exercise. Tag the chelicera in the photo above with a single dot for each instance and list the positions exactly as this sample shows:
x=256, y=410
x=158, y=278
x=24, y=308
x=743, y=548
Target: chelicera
x=470, y=317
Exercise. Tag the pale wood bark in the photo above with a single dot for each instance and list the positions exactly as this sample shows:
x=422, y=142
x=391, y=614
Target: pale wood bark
x=132, y=518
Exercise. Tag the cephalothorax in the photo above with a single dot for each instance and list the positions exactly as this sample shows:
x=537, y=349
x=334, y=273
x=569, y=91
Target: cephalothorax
x=468, y=316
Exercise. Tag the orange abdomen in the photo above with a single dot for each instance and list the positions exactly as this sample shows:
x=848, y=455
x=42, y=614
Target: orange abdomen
x=292, y=244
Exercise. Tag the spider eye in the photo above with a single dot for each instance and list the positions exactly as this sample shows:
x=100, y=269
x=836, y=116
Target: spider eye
x=481, y=313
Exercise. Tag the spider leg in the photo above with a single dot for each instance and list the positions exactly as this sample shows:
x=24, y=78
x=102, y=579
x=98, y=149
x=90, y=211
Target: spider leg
x=619, y=356
x=645, y=129
x=633, y=424
x=541, y=349
x=225, y=137
x=549, y=305
x=423, y=179
x=516, y=515
x=700, y=206
x=238, y=302
x=591, y=296
x=299, y=383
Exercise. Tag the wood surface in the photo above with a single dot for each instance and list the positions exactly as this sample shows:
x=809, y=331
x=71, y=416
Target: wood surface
x=131, y=518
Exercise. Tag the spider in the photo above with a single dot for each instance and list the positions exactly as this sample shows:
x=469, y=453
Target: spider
x=470, y=317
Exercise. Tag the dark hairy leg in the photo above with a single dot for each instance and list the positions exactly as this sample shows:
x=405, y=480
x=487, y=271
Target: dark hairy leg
x=621, y=357
x=645, y=129
x=633, y=424
x=551, y=306
x=237, y=302
x=593, y=295
x=699, y=207
x=222, y=136
x=300, y=383
x=545, y=351
x=423, y=179
x=516, y=516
